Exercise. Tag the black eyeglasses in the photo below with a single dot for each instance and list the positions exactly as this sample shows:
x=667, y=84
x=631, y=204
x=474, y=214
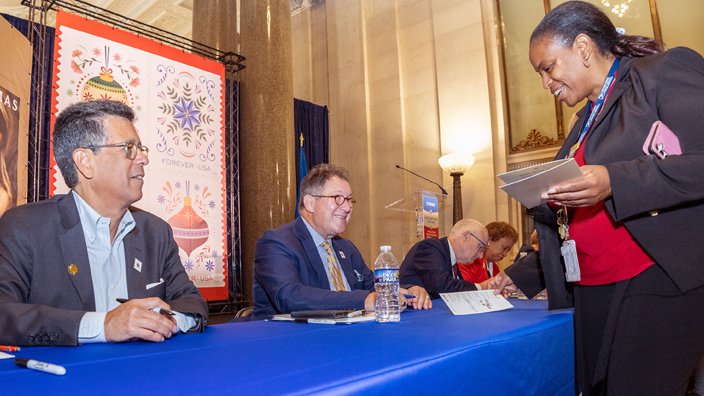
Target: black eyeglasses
x=482, y=246
x=339, y=199
x=131, y=148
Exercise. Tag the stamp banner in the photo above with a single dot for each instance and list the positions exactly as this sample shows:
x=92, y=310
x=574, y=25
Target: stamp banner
x=179, y=101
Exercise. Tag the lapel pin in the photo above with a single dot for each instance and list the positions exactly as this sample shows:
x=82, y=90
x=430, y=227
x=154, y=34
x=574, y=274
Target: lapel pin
x=137, y=265
x=342, y=254
x=72, y=269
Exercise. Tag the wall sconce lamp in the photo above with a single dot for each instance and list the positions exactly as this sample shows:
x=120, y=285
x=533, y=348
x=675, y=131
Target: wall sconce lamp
x=456, y=165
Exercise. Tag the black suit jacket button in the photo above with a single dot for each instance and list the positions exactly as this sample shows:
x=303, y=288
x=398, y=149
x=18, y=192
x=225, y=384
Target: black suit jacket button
x=54, y=337
x=30, y=338
x=46, y=337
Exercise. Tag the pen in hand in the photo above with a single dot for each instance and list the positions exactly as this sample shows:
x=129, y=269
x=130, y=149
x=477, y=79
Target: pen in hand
x=409, y=296
x=162, y=311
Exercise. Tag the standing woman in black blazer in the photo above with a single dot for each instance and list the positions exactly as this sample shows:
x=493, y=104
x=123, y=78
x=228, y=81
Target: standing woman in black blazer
x=636, y=220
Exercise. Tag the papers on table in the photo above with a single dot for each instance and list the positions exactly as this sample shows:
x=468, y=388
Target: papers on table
x=4, y=355
x=526, y=185
x=473, y=302
x=367, y=317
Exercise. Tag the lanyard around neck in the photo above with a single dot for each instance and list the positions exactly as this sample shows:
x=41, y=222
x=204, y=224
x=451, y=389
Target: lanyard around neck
x=594, y=108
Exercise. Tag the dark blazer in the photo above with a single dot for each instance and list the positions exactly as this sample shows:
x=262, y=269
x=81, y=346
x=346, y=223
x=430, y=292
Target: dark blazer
x=429, y=264
x=660, y=202
x=289, y=274
x=41, y=303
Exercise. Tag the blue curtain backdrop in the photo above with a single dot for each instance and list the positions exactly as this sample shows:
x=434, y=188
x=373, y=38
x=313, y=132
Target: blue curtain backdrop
x=310, y=120
x=43, y=171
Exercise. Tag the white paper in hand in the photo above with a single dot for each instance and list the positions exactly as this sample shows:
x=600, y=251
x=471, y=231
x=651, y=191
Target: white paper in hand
x=526, y=185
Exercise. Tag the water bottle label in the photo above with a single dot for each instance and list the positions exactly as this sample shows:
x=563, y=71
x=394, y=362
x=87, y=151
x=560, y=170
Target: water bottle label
x=386, y=276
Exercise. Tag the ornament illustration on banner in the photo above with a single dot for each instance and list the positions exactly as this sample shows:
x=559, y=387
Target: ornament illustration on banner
x=102, y=86
x=191, y=230
x=187, y=117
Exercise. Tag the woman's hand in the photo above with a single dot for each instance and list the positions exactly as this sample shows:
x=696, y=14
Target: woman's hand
x=589, y=191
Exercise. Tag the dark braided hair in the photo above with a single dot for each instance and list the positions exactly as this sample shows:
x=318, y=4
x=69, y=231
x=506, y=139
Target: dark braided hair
x=565, y=22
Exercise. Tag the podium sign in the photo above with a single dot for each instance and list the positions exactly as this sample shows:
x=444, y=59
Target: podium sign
x=430, y=215
x=420, y=216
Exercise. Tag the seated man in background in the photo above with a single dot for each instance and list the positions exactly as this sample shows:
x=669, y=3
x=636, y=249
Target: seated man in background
x=305, y=265
x=432, y=262
x=502, y=237
x=526, y=249
x=65, y=261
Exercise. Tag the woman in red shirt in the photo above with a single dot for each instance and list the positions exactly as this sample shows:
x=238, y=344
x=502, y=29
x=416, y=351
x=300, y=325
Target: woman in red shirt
x=634, y=217
x=502, y=237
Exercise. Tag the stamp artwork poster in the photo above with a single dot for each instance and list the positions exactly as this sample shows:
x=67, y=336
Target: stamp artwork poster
x=179, y=101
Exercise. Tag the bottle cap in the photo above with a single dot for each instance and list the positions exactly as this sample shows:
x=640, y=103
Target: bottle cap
x=386, y=248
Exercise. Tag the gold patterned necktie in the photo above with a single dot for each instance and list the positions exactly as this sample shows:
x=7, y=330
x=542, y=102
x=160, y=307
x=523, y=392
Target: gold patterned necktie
x=334, y=267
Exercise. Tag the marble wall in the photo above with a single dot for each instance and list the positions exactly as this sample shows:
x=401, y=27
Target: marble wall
x=406, y=81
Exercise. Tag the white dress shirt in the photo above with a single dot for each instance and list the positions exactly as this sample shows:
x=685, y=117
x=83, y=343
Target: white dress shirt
x=107, y=268
x=318, y=240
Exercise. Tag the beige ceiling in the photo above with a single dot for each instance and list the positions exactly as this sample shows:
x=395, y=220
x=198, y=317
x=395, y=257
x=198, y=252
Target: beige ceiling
x=175, y=16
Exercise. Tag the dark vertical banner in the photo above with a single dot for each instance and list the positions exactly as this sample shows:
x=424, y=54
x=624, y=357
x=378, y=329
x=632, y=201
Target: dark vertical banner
x=15, y=69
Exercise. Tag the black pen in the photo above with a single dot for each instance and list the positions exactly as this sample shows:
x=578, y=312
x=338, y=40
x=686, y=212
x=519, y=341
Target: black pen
x=162, y=311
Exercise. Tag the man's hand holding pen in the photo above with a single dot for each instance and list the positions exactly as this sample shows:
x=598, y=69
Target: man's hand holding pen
x=135, y=319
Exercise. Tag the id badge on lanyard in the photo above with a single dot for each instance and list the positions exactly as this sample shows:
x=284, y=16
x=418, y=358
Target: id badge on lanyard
x=569, y=247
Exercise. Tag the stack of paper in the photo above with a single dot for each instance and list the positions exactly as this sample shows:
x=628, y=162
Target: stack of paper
x=526, y=185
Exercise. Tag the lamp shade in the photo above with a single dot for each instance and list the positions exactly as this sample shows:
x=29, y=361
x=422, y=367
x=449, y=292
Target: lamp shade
x=456, y=163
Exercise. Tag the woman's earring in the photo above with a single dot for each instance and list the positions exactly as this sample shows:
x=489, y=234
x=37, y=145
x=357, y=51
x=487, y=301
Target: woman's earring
x=586, y=62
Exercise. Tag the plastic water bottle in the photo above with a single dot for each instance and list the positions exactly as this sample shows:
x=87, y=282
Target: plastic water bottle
x=386, y=283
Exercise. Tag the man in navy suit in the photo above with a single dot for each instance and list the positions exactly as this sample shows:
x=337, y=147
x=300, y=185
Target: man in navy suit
x=65, y=261
x=305, y=265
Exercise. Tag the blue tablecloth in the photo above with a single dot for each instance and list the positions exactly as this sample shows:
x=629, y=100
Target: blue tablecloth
x=522, y=351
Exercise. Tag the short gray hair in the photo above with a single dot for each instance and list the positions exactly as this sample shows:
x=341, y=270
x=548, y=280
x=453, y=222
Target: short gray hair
x=81, y=125
x=315, y=181
x=465, y=225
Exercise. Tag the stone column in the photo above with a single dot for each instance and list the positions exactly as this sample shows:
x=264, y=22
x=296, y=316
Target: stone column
x=267, y=141
x=215, y=24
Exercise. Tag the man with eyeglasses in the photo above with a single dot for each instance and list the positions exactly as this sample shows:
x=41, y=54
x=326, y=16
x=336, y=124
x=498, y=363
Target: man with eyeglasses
x=432, y=262
x=65, y=261
x=305, y=265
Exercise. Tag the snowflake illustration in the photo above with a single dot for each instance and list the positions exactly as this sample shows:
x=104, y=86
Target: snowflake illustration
x=138, y=108
x=214, y=253
x=188, y=265
x=209, y=265
x=136, y=97
x=117, y=58
x=160, y=199
x=211, y=204
x=177, y=184
x=97, y=51
x=72, y=81
x=105, y=97
x=187, y=114
x=196, y=187
x=69, y=92
x=87, y=96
